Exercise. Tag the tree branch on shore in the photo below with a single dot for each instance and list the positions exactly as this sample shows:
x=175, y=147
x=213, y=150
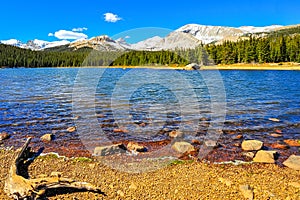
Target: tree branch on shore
x=19, y=186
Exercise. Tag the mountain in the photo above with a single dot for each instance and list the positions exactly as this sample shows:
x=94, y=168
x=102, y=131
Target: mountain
x=101, y=43
x=34, y=44
x=170, y=42
x=209, y=34
x=187, y=36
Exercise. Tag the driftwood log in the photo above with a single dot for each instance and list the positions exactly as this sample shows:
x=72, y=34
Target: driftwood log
x=18, y=186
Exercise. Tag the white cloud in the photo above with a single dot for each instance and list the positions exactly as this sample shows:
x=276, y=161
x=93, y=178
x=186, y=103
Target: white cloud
x=80, y=29
x=68, y=35
x=127, y=37
x=50, y=34
x=110, y=17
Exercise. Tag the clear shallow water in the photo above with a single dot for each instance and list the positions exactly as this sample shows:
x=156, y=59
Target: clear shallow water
x=146, y=104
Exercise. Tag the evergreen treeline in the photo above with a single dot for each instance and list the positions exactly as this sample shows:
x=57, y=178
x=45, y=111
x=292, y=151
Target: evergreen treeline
x=274, y=48
x=11, y=56
x=279, y=46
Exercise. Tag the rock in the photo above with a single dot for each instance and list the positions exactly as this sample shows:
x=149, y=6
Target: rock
x=275, y=135
x=211, y=143
x=279, y=146
x=183, y=147
x=278, y=131
x=196, y=142
x=47, y=137
x=263, y=156
x=175, y=134
x=252, y=145
x=4, y=136
x=274, y=119
x=248, y=154
x=134, y=146
x=192, y=66
x=71, y=129
x=292, y=143
x=110, y=150
x=247, y=192
x=237, y=137
x=293, y=162
x=120, y=130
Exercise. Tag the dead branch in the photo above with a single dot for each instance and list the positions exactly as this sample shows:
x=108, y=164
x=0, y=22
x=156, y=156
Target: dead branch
x=19, y=187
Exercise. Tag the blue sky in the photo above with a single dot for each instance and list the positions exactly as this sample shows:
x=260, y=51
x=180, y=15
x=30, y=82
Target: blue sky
x=55, y=19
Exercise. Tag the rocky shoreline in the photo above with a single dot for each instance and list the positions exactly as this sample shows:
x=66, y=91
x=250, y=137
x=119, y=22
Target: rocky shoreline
x=178, y=180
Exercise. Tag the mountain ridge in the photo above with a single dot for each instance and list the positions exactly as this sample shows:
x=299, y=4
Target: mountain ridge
x=187, y=36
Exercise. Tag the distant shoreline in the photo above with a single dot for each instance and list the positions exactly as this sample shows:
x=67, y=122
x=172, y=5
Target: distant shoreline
x=239, y=66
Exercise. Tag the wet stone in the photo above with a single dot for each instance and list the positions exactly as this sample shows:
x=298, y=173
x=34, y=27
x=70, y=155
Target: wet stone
x=47, y=137
x=183, y=147
x=134, y=146
x=109, y=150
x=263, y=156
x=293, y=162
x=4, y=136
x=252, y=145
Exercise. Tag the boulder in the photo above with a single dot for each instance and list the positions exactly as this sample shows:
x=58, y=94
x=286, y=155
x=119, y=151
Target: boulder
x=183, y=147
x=134, y=146
x=192, y=66
x=110, y=150
x=263, y=156
x=293, y=162
x=252, y=145
x=4, y=136
x=47, y=137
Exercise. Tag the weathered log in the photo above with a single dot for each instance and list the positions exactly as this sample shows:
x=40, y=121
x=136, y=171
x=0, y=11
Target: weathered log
x=18, y=186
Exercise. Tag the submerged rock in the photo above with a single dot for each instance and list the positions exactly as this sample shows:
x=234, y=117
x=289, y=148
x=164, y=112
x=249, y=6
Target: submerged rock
x=274, y=119
x=183, y=147
x=4, y=136
x=47, y=137
x=134, y=146
x=263, y=156
x=175, y=134
x=110, y=150
x=71, y=129
x=252, y=145
x=293, y=162
x=293, y=143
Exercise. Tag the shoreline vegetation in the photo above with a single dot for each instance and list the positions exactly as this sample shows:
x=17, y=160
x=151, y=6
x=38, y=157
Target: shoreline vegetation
x=178, y=180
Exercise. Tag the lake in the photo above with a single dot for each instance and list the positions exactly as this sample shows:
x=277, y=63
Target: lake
x=145, y=105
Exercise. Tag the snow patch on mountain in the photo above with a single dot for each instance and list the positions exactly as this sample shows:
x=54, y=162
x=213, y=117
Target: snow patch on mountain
x=34, y=44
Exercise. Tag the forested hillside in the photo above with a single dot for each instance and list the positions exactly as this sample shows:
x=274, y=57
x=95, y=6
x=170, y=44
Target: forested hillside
x=274, y=47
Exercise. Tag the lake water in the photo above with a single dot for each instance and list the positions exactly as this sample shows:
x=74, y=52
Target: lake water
x=145, y=105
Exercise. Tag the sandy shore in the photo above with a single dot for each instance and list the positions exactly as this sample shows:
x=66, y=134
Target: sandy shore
x=192, y=180
x=266, y=66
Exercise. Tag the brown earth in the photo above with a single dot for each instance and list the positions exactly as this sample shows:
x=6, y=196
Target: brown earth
x=180, y=180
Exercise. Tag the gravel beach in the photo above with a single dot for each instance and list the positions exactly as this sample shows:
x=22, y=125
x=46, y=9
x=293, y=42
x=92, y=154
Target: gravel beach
x=183, y=180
